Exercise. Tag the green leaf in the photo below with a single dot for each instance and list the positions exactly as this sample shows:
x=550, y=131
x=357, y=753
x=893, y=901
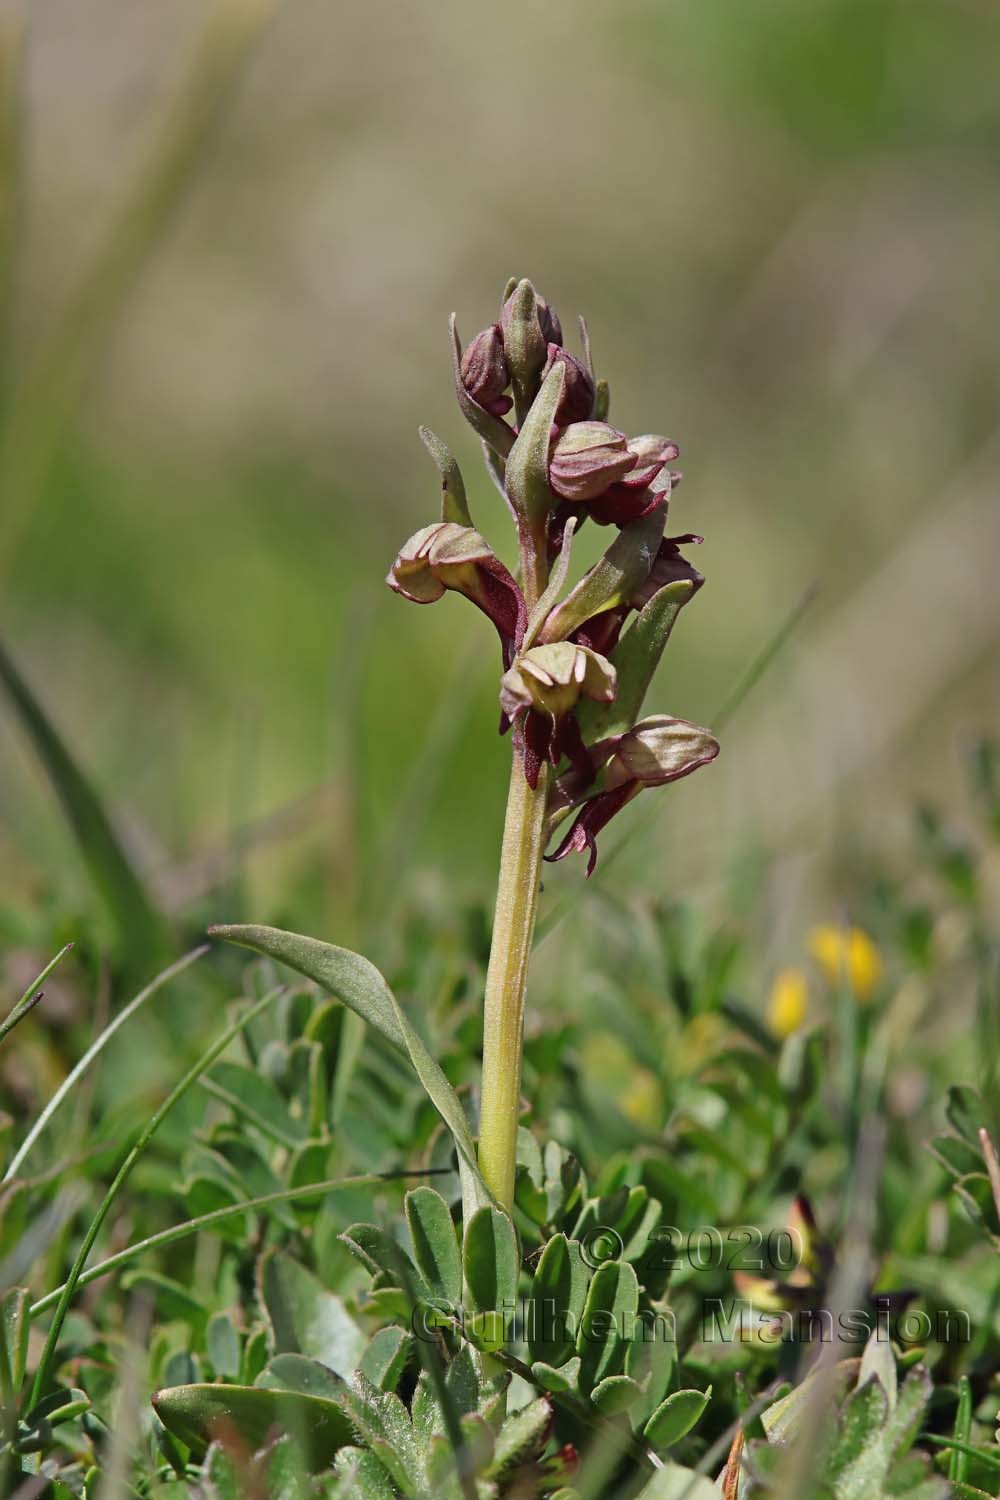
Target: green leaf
x=521, y=1438
x=491, y=1261
x=384, y=1423
x=223, y=1345
x=527, y=474
x=617, y=1393
x=386, y=1358
x=362, y=989
x=300, y=1375
x=556, y=1380
x=360, y=1476
x=173, y=1301
x=783, y=1420
x=194, y=1412
x=255, y=1099
x=675, y=1418
x=435, y=1243
x=305, y=1317
x=966, y=1114
x=612, y=581
x=454, y=505
x=141, y=931
x=637, y=656
x=860, y=1460
x=558, y=1290
x=608, y=1321
x=878, y=1362
x=14, y=1328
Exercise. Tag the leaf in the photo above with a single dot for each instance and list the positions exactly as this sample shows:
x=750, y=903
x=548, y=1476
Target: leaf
x=174, y=1302
x=552, y=590
x=141, y=930
x=194, y=1413
x=386, y=1358
x=223, y=1345
x=608, y=1321
x=383, y=1421
x=617, y=1393
x=435, y=1243
x=636, y=656
x=911, y=1402
x=556, y=1380
x=360, y=1476
x=675, y=1417
x=454, y=505
x=491, y=1261
x=624, y=567
x=558, y=1290
x=521, y=1438
x=783, y=1420
x=15, y=1325
x=300, y=1375
x=878, y=1362
x=305, y=1317
x=966, y=1113
x=861, y=1459
x=362, y=989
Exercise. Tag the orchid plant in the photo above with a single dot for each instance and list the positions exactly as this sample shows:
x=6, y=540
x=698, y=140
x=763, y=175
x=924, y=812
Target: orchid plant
x=577, y=660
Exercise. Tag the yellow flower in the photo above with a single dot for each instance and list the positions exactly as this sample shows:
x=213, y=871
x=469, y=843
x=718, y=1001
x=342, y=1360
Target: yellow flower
x=846, y=954
x=789, y=1002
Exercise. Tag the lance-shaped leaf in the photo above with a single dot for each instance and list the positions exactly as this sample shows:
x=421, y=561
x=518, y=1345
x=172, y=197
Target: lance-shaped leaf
x=362, y=988
x=454, y=504
x=491, y=429
x=527, y=474
x=449, y=556
x=611, y=581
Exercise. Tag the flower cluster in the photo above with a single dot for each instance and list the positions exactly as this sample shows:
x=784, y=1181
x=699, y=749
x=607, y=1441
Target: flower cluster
x=577, y=662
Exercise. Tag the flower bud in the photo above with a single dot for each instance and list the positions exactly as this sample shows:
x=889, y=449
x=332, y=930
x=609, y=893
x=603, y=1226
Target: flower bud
x=640, y=490
x=549, y=322
x=485, y=373
x=525, y=343
x=449, y=556
x=586, y=459
x=577, y=403
x=551, y=680
x=658, y=750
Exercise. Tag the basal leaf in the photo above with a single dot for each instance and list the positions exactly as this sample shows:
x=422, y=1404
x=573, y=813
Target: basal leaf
x=362, y=988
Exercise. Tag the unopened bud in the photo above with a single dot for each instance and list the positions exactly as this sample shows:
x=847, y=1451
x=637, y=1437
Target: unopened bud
x=552, y=679
x=485, y=372
x=658, y=750
x=525, y=342
x=577, y=403
x=587, y=458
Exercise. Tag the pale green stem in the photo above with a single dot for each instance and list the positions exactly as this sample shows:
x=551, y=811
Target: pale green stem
x=506, y=979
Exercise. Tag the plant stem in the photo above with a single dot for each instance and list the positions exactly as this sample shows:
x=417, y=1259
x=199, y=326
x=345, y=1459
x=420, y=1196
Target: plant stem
x=506, y=979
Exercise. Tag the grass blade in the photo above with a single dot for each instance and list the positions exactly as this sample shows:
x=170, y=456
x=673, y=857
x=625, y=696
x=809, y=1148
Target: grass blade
x=94, y=1050
x=140, y=927
x=32, y=994
x=121, y=1177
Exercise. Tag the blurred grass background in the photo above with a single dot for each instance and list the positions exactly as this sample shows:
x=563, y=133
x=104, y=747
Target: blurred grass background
x=781, y=221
